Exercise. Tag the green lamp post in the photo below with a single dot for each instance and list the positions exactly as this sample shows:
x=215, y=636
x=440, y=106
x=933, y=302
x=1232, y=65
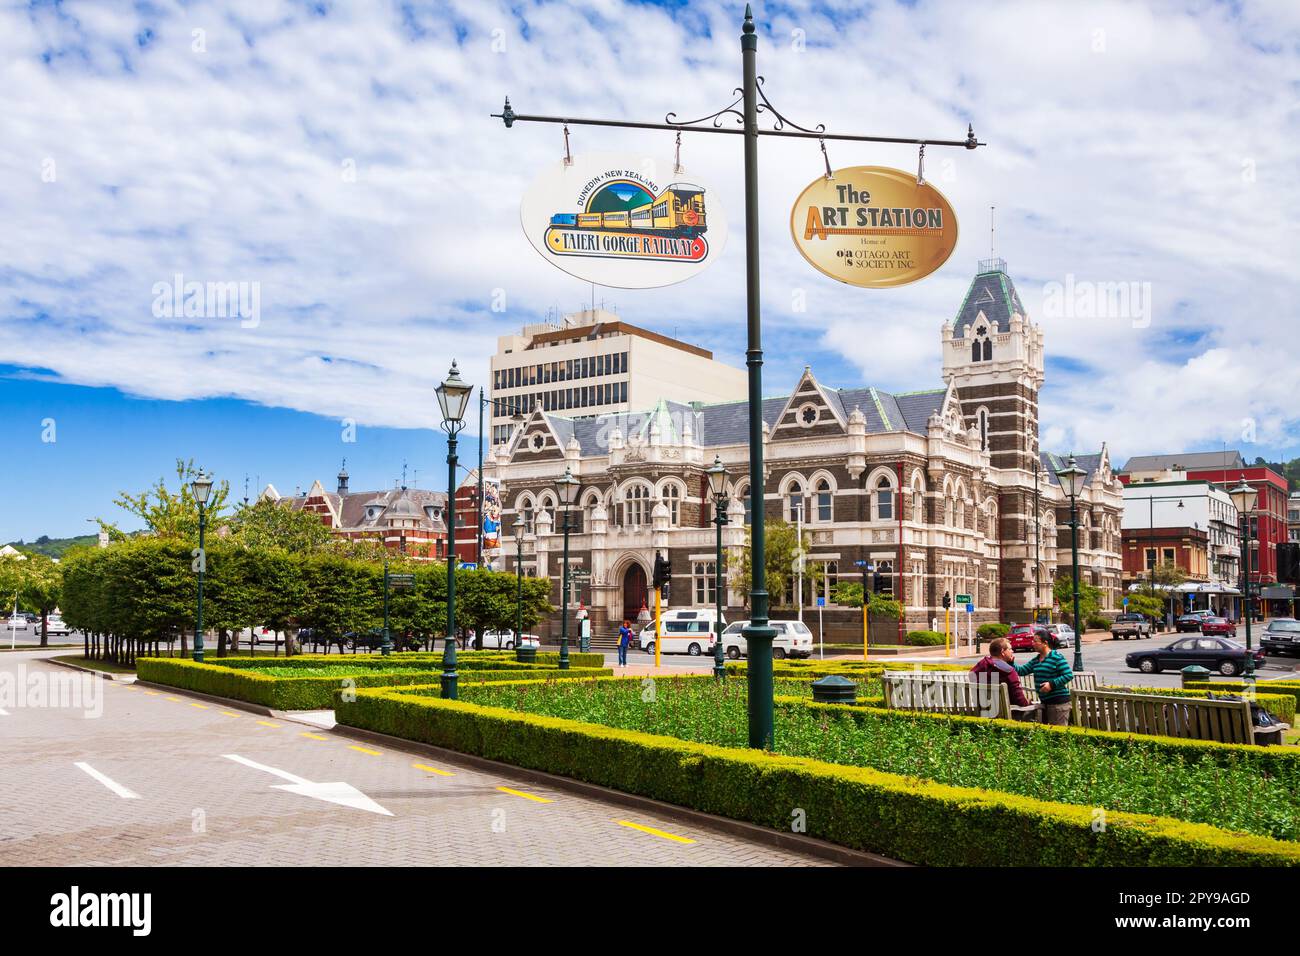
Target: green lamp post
x=566, y=495
x=201, y=486
x=1243, y=496
x=1071, y=477
x=453, y=397
x=525, y=655
x=718, y=489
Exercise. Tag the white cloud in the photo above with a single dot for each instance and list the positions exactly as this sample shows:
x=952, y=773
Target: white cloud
x=1152, y=143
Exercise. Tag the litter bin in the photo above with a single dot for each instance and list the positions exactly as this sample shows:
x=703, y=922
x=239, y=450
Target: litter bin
x=835, y=690
x=1194, y=673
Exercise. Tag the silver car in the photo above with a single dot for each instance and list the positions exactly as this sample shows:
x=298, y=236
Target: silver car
x=1064, y=634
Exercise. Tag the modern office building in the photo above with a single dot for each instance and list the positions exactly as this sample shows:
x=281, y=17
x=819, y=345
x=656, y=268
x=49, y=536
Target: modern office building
x=592, y=363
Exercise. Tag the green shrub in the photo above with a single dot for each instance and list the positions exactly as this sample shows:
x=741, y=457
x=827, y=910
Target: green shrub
x=313, y=692
x=1273, y=688
x=917, y=821
x=1098, y=623
x=924, y=638
x=991, y=630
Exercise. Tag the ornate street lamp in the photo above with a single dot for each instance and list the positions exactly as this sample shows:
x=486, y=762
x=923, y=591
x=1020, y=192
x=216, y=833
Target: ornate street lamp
x=453, y=397
x=523, y=654
x=1071, y=478
x=1243, y=496
x=201, y=487
x=566, y=495
x=718, y=489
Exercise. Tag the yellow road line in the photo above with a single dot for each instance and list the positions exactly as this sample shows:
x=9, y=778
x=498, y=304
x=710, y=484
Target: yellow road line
x=653, y=832
x=200, y=706
x=425, y=766
x=226, y=713
x=312, y=736
x=174, y=700
x=152, y=693
x=526, y=796
x=267, y=723
x=363, y=750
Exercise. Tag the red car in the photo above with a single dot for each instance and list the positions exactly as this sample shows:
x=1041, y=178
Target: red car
x=1219, y=625
x=1021, y=636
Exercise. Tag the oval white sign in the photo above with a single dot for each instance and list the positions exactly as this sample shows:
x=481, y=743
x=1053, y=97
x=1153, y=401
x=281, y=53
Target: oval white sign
x=623, y=220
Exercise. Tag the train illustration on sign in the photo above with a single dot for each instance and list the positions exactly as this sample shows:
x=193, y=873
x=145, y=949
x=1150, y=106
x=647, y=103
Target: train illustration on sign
x=678, y=211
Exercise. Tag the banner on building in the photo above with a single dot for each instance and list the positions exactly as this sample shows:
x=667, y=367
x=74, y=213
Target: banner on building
x=874, y=227
x=624, y=220
x=491, y=513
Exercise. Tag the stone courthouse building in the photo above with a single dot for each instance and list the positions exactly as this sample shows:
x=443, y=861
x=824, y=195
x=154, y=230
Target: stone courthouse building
x=942, y=490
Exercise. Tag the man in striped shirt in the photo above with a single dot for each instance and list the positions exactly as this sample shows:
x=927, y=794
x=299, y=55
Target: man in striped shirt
x=1051, y=674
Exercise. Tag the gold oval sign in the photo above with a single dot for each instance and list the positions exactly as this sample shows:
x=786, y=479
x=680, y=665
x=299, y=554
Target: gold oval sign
x=873, y=226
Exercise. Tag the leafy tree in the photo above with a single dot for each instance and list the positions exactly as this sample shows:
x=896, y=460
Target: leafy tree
x=168, y=514
x=849, y=594
x=40, y=587
x=1089, y=598
x=784, y=549
x=267, y=524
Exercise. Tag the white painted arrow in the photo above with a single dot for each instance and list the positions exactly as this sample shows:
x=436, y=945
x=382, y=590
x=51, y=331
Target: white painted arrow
x=338, y=792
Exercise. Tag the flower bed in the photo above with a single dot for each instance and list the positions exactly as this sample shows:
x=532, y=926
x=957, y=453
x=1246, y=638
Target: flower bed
x=1234, y=789
x=909, y=819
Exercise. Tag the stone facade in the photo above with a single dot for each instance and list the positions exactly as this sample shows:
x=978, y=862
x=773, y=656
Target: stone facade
x=944, y=490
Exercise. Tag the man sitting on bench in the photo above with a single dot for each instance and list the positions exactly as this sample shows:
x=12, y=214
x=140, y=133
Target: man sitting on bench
x=1001, y=660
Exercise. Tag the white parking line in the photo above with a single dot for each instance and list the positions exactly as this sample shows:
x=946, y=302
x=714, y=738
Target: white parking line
x=113, y=785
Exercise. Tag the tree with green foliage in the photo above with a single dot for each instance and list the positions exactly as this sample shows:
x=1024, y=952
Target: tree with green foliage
x=785, y=551
x=168, y=514
x=267, y=524
x=849, y=594
x=40, y=587
x=1089, y=598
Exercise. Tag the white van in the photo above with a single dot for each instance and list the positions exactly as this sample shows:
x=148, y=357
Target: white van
x=793, y=639
x=682, y=632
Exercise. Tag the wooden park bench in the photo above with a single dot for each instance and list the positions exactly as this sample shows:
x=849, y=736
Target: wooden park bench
x=1195, y=718
x=1083, y=680
x=950, y=692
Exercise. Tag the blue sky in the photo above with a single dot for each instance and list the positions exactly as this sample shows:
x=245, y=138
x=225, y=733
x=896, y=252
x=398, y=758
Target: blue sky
x=339, y=159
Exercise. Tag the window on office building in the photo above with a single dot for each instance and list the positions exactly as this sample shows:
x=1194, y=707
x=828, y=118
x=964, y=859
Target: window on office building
x=703, y=577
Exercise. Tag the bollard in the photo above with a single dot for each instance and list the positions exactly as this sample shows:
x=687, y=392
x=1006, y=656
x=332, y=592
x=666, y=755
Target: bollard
x=835, y=690
x=1194, y=673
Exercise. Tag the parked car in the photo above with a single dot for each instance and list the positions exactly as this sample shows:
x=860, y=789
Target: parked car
x=1220, y=626
x=1064, y=633
x=1216, y=653
x=1192, y=620
x=681, y=631
x=1130, y=625
x=505, y=640
x=55, y=626
x=793, y=639
x=1021, y=636
x=1282, y=636
x=15, y=622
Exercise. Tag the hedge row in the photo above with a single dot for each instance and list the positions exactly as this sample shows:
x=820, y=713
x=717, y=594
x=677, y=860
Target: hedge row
x=313, y=693
x=1271, y=688
x=1281, y=705
x=465, y=660
x=912, y=820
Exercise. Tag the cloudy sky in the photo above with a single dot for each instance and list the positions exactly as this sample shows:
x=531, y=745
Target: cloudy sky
x=341, y=157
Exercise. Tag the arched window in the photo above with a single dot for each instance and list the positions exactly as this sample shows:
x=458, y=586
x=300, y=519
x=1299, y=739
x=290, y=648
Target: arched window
x=794, y=502
x=526, y=509
x=884, y=499
x=743, y=491
x=886, y=571
x=975, y=351
x=948, y=512
x=673, y=501
x=988, y=350
x=824, y=500
x=984, y=429
x=636, y=506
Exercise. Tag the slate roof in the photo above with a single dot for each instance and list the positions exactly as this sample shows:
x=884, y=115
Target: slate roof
x=1192, y=461
x=992, y=293
x=396, y=502
x=1053, y=463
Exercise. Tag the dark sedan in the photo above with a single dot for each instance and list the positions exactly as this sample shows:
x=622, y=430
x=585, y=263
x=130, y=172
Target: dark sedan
x=1219, y=626
x=1215, y=653
x=1192, y=621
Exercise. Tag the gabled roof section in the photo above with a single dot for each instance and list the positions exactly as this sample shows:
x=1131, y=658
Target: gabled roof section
x=810, y=392
x=917, y=407
x=991, y=294
x=1052, y=463
x=1191, y=461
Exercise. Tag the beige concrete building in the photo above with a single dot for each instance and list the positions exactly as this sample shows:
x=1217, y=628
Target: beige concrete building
x=592, y=363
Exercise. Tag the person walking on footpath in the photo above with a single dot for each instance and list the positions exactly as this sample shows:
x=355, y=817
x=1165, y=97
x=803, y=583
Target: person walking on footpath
x=624, y=639
x=1050, y=672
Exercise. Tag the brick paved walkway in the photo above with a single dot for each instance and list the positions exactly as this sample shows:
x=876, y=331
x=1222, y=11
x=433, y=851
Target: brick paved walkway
x=195, y=806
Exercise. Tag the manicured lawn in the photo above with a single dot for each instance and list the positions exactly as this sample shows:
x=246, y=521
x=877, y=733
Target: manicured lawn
x=1139, y=777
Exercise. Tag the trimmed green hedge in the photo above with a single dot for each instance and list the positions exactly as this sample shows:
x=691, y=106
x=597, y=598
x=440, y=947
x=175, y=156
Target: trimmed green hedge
x=924, y=638
x=1281, y=705
x=314, y=693
x=988, y=631
x=1273, y=688
x=465, y=660
x=913, y=820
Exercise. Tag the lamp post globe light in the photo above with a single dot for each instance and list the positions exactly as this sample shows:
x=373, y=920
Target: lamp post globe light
x=526, y=655
x=718, y=490
x=1243, y=496
x=1071, y=478
x=453, y=398
x=201, y=487
x=566, y=494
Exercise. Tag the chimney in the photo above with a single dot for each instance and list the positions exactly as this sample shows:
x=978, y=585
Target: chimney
x=343, y=478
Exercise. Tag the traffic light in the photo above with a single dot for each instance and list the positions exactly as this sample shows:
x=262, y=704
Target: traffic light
x=877, y=583
x=663, y=570
x=947, y=600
